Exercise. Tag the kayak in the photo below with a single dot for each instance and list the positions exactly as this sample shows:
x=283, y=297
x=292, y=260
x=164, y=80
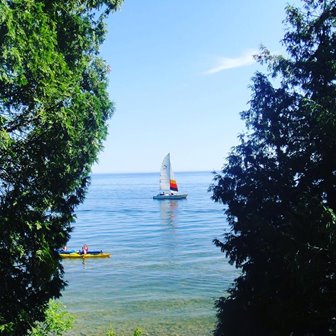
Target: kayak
x=79, y=254
x=74, y=255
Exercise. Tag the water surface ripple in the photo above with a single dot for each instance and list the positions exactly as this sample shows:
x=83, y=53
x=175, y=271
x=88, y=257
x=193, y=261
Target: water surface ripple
x=164, y=273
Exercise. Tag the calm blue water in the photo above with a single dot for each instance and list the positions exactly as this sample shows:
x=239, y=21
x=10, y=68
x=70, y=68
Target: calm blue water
x=164, y=273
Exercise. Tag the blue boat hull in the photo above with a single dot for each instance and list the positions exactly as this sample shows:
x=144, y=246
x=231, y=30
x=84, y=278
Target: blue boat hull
x=170, y=197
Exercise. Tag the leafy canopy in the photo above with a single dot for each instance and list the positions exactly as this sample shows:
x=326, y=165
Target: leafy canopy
x=53, y=112
x=279, y=188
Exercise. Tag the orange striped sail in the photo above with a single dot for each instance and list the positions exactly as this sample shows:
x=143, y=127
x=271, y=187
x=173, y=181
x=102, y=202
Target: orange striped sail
x=173, y=185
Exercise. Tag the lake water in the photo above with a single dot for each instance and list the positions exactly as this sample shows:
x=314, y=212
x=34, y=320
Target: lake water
x=164, y=274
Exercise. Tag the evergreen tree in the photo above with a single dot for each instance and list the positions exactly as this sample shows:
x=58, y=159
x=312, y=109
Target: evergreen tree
x=279, y=188
x=53, y=111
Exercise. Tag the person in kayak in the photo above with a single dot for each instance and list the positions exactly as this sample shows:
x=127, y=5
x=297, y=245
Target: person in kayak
x=85, y=249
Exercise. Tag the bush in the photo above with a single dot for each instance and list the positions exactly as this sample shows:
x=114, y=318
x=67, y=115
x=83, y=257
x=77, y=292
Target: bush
x=57, y=321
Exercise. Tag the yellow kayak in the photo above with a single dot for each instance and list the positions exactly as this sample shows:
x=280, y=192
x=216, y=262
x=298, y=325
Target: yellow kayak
x=87, y=255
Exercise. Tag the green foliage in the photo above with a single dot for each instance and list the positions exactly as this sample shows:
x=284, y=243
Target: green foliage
x=57, y=321
x=111, y=332
x=279, y=188
x=53, y=112
x=137, y=332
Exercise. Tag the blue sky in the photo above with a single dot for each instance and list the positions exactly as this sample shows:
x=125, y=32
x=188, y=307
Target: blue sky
x=181, y=71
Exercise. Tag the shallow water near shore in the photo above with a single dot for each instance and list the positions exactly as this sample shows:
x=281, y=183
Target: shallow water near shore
x=164, y=274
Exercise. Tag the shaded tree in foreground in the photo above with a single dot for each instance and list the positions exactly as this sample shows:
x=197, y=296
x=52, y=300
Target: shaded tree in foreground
x=53, y=112
x=279, y=188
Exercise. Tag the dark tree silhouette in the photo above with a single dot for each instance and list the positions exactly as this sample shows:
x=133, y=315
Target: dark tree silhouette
x=279, y=189
x=53, y=111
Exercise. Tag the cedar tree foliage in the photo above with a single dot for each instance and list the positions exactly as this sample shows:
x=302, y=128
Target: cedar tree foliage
x=53, y=112
x=279, y=188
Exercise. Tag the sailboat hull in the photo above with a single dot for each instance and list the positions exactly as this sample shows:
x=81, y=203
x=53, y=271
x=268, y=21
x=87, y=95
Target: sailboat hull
x=170, y=197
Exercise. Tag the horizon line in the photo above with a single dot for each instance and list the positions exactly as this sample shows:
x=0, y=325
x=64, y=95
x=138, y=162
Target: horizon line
x=155, y=172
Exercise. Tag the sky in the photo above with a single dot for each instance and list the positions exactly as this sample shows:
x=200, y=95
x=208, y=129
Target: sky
x=180, y=76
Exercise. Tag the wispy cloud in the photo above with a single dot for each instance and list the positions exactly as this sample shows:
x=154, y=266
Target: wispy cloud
x=225, y=63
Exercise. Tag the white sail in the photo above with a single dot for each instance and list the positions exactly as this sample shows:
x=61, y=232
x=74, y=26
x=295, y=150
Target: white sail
x=165, y=174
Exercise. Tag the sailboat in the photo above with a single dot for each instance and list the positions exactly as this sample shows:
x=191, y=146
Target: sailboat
x=168, y=185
